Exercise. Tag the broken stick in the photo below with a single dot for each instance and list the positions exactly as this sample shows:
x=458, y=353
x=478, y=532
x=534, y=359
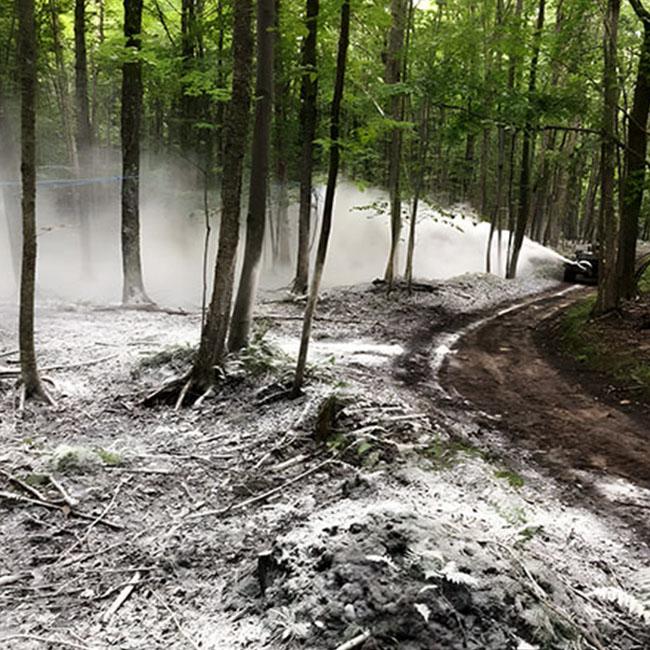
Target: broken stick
x=121, y=598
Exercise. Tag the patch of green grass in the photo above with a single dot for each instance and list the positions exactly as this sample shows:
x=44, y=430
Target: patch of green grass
x=72, y=460
x=447, y=454
x=109, y=457
x=514, y=479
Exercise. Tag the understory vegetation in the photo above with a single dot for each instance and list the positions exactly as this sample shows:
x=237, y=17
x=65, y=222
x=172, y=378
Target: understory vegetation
x=616, y=345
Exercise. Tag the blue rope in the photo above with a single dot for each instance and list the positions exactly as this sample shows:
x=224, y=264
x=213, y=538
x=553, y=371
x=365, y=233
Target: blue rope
x=63, y=182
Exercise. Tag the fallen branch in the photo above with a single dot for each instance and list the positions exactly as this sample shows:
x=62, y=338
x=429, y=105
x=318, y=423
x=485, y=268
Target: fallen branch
x=12, y=496
x=96, y=521
x=25, y=486
x=15, y=372
x=260, y=497
x=43, y=639
x=72, y=503
x=148, y=307
x=8, y=353
x=355, y=642
x=121, y=598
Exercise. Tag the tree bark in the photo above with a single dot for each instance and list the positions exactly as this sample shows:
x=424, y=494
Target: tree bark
x=84, y=134
x=9, y=171
x=417, y=190
x=256, y=220
x=281, y=98
x=32, y=385
x=635, y=162
x=392, y=76
x=321, y=254
x=608, y=298
x=133, y=288
x=524, y=177
x=212, y=347
x=308, y=122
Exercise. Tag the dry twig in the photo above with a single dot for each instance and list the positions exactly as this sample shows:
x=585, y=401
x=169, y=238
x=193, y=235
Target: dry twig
x=260, y=497
x=121, y=598
x=355, y=642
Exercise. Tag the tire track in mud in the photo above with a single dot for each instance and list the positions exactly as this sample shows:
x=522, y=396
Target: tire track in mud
x=472, y=365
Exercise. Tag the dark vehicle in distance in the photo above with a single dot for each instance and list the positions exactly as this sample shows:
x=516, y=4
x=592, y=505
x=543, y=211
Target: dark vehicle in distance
x=583, y=268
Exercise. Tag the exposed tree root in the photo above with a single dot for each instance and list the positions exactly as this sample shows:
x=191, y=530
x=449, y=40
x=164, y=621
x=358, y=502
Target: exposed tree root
x=185, y=390
x=36, y=393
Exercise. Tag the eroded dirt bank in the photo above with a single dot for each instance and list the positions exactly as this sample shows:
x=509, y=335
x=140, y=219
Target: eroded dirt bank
x=375, y=509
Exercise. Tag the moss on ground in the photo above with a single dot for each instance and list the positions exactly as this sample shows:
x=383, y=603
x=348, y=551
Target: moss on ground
x=608, y=346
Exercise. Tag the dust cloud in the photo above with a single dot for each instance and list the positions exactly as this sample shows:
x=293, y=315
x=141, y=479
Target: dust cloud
x=449, y=242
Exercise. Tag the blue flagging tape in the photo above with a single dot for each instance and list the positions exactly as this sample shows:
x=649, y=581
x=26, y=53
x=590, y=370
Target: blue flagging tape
x=68, y=182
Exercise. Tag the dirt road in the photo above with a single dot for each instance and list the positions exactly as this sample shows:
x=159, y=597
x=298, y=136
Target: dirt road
x=556, y=411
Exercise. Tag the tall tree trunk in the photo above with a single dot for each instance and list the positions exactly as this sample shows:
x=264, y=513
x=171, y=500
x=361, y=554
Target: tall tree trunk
x=588, y=221
x=32, y=385
x=392, y=76
x=524, y=177
x=417, y=190
x=495, y=216
x=236, y=127
x=635, y=162
x=255, y=224
x=308, y=122
x=133, y=288
x=607, y=287
x=221, y=107
x=9, y=169
x=83, y=131
x=321, y=254
x=281, y=99
x=187, y=102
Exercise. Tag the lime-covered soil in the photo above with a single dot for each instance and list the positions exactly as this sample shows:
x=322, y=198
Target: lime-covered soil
x=376, y=510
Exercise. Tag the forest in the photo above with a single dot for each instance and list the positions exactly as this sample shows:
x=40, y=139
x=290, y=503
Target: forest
x=324, y=324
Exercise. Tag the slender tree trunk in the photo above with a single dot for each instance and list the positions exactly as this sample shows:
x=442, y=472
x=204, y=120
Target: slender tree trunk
x=308, y=122
x=133, y=288
x=255, y=224
x=417, y=190
x=310, y=309
x=635, y=162
x=588, y=221
x=607, y=287
x=212, y=348
x=9, y=170
x=392, y=76
x=524, y=178
x=280, y=99
x=221, y=107
x=32, y=385
x=84, y=134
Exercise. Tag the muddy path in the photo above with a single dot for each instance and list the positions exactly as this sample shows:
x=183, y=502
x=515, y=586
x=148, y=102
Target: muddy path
x=568, y=421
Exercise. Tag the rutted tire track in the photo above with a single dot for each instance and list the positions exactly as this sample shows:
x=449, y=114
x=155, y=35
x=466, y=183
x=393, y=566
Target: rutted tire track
x=499, y=368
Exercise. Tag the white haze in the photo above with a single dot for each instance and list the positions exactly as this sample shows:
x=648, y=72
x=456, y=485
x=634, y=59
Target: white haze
x=172, y=244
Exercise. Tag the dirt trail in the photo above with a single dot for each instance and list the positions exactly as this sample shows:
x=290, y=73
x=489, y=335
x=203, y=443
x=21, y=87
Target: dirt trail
x=546, y=409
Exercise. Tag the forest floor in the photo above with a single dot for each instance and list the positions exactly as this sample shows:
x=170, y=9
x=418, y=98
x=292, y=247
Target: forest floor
x=379, y=510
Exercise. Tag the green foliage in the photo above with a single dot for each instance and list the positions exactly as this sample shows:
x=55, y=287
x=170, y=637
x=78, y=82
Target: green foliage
x=582, y=339
x=109, y=457
x=513, y=479
x=68, y=459
x=261, y=357
x=448, y=454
